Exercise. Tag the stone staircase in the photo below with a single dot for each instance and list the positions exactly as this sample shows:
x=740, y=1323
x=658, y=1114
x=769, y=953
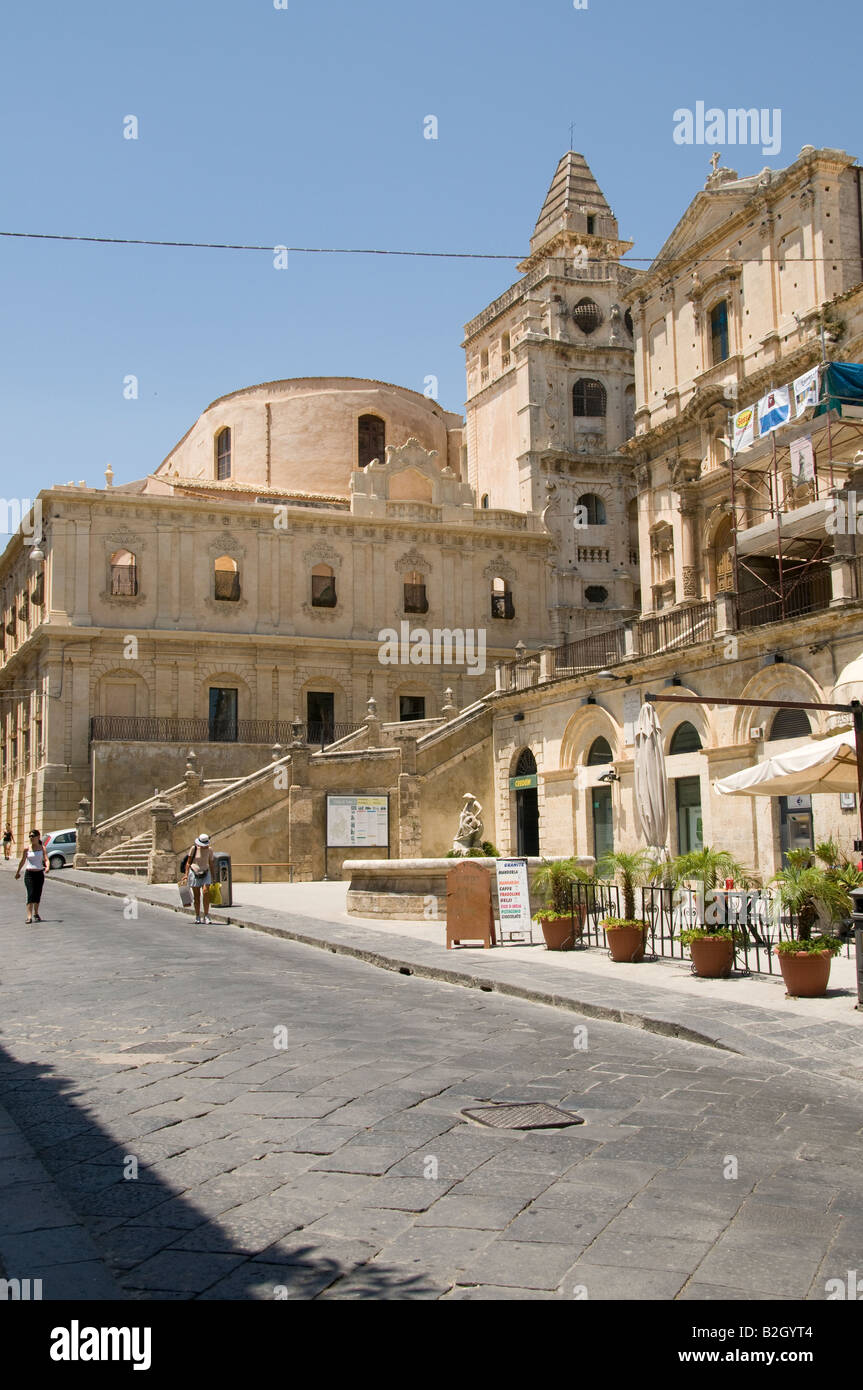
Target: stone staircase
x=130, y=857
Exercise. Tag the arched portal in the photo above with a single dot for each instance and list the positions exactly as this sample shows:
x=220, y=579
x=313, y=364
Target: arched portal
x=524, y=784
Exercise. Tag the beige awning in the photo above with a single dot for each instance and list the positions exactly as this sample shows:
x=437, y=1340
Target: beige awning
x=827, y=766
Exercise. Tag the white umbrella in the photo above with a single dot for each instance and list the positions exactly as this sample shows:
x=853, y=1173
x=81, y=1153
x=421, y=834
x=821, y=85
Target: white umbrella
x=651, y=788
x=826, y=766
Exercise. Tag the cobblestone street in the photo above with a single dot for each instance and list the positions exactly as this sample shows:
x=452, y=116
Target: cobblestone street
x=214, y=1113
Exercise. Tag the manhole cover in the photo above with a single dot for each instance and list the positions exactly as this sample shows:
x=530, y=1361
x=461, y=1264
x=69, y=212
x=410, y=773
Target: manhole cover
x=527, y=1116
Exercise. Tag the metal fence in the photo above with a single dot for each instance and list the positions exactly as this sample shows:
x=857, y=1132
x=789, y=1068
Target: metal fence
x=590, y=653
x=756, y=917
x=680, y=627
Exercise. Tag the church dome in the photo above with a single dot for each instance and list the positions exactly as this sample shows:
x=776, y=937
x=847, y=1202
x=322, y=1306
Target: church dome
x=306, y=436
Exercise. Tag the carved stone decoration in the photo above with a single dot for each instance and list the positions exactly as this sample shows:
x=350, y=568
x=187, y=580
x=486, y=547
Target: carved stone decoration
x=500, y=568
x=322, y=554
x=413, y=560
x=226, y=544
x=690, y=582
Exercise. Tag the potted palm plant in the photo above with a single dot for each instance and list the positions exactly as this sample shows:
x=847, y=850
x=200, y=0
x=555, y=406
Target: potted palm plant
x=812, y=893
x=561, y=925
x=711, y=946
x=626, y=935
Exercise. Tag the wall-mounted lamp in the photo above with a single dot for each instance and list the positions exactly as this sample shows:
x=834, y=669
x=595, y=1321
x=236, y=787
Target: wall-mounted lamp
x=612, y=676
x=610, y=776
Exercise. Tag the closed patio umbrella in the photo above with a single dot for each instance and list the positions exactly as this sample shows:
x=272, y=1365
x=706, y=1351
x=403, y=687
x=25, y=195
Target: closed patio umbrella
x=828, y=765
x=651, y=788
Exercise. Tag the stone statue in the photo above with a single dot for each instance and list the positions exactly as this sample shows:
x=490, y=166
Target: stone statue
x=469, y=834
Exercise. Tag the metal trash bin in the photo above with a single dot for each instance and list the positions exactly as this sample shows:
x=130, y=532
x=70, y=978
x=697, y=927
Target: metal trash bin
x=224, y=877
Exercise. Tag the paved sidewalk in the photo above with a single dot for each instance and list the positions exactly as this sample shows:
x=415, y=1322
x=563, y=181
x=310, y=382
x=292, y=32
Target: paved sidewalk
x=751, y=1016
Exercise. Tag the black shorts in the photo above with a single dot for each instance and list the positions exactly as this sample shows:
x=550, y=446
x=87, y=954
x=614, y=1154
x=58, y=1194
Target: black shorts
x=33, y=881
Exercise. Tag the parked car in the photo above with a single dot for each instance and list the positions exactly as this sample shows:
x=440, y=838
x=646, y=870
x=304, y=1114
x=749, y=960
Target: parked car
x=60, y=847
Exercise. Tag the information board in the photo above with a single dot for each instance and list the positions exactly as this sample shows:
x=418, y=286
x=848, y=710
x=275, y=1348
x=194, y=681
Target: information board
x=354, y=821
x=512, y=896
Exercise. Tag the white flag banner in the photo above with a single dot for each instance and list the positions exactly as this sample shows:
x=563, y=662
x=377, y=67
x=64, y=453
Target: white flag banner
x=774, y=409
x=802, y=460
x=744, y=428
x=806, y=389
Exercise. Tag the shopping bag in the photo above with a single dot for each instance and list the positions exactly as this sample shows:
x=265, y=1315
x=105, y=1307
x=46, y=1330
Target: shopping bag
x=185, y=894
x=215, y=895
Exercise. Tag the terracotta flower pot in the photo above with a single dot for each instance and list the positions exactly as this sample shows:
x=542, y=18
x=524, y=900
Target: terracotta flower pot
x=558, y=931
x=712, y=957
x=806, y=973
x=626, y=944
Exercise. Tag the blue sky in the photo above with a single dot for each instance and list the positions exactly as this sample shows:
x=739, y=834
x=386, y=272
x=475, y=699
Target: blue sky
x=304, y=126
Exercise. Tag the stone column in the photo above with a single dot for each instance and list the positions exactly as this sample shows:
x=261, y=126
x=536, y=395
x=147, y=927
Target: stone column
x=688, y=588
x=192, y=779
x=162, y=866
x=84, y=832
x=373, y=724
x=410, y=820
x=843, y=580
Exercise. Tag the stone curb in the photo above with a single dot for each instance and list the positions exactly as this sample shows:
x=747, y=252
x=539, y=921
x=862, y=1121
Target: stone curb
x=722, y=1037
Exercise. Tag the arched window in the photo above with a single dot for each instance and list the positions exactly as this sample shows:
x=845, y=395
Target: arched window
x=501, y=599
x=587, y=315
x=719, y=332
x=526, y=765
x=723, y=557
x=600, y=752
x=685, y=739
x=591, y=510
x=323, y=587
x=504, y=352
x=124, y=574
x=371, y=439
x=223, y=454
x=629, y=412
x=415, y=598
x=589, y=398
x=790, y=723
x=226, y=579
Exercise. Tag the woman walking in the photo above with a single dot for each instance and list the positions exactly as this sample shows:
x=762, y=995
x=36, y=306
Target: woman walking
x=34, y=875
x=8, y=841
x=199, y=875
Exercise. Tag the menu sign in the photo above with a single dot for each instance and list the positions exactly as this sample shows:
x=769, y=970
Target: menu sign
x=512, y=895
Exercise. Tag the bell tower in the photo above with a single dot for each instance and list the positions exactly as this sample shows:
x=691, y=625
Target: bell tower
x=551, y=398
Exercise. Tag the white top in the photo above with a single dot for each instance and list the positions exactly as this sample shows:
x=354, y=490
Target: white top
x=35, y=859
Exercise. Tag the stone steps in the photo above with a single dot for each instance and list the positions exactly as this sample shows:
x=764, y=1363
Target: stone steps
x=130, y=857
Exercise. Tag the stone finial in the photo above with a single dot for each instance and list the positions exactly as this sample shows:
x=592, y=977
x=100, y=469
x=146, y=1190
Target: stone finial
x=297, y=740
x=448, y=708
x=109, y=476
x=83, y=811
x=372, y=706
x=275, y=752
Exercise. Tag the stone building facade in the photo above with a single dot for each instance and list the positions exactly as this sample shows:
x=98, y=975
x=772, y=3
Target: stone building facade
x=243, y=588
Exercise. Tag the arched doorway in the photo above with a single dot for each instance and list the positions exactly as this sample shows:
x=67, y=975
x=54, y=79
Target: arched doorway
x=523, y=783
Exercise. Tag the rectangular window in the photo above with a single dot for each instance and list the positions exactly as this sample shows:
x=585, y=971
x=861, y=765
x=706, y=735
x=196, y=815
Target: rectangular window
x=223, y=715
x=323, y=591
x=412, y=707
x=690, y=830
x=124, y=581
x=320, y=716
x=502, y=606
x=719, y=333
x=415, y=598
x=227, y=585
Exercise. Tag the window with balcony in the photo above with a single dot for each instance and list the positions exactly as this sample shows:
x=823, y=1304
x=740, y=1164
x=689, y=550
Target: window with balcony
x=226, y=579
x=371, y=440
x=124, y=574
x=589, y=399
x=501, y=599
x=323, y=587
x=223, y=454
x=415, y=600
